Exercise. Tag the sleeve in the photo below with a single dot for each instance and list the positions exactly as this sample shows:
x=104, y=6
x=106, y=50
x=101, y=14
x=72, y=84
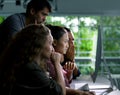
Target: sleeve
x=35, y=81
x=8, y=28
x=51, y=86
x=12, y=24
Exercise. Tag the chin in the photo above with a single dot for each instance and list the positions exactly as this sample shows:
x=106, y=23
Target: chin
x=64, y=53
x=48, y=56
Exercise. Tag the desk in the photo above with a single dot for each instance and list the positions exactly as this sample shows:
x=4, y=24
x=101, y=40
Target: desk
x=88, y=79
x=100, y=86
x=115, y=93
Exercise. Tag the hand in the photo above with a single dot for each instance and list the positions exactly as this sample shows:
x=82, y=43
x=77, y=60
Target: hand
x=56, y=57
x=69, y=66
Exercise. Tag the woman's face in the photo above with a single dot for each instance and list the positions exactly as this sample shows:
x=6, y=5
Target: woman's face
x=62, y=45
x=70, y=52
x=48, y=47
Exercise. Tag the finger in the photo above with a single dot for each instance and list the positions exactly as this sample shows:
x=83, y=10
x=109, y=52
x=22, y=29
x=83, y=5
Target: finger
x=65, y=66
x=71, y=65
x=36, y=22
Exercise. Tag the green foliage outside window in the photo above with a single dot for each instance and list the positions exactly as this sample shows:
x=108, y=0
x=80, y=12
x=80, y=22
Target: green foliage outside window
x=1, y=19
x=85, y=31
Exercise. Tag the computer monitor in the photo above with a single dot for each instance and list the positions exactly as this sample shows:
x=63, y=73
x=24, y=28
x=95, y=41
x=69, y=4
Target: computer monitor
x=100, y=58
x=98, y=55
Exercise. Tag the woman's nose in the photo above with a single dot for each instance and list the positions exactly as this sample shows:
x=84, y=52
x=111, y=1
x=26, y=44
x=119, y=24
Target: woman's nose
x=67, y=45
x=53, y=49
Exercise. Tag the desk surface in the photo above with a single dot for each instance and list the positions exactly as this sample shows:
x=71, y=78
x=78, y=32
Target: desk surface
x=114, y=93
x=88, y=79
x=101, y=82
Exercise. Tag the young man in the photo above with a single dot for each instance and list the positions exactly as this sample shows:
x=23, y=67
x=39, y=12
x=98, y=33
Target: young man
x=36, y=12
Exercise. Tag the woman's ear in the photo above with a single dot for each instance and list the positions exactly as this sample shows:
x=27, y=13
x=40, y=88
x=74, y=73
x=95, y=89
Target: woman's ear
x=54, y=43
x=32, y=11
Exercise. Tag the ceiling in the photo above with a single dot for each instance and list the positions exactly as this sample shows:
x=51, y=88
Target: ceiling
x=69, y=7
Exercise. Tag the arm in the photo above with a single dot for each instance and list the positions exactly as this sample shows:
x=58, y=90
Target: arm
x=9, y=27
x=56, y=58
x=72, y=70
x=69, y=67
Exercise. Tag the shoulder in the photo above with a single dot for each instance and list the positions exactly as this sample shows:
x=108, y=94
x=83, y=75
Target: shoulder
x=29, y=70
x=13, y=23
x=15, y=16
x=32, y=66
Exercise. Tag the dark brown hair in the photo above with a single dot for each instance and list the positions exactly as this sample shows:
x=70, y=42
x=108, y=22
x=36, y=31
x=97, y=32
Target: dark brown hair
x=56, y=31
x=38, y=5
x=22, y=49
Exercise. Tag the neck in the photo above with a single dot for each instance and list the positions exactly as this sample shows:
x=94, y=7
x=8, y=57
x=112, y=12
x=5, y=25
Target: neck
x=29, y=20
x=62, y=58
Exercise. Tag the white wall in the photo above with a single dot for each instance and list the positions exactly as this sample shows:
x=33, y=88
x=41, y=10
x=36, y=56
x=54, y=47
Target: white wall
x=72, y=7
x=89, y=7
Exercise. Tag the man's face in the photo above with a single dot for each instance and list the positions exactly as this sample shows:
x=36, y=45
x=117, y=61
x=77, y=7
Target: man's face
x=40, y=16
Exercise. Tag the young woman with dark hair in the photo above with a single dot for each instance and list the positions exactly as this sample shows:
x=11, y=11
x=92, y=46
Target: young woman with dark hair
x=61, y=45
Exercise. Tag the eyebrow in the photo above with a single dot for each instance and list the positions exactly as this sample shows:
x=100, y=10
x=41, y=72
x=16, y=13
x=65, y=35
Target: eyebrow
x=72, y=38
x=44, y=13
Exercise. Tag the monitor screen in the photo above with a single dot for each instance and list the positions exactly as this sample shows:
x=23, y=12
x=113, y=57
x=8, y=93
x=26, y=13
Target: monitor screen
x=98, y=59
x=98, y=55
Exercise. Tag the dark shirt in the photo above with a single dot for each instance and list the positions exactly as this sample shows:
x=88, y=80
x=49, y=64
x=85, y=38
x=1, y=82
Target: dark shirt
x=31, y=80
x=9, y=27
